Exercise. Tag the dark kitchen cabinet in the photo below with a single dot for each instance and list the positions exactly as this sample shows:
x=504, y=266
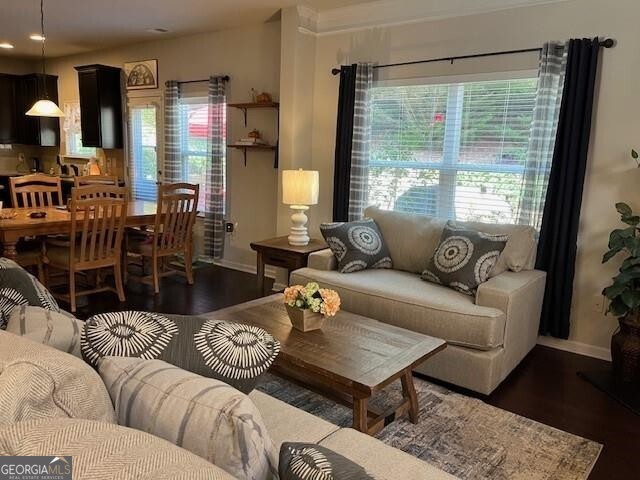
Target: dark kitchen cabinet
x=100, y=106
x=7, y=108
x=42, y=131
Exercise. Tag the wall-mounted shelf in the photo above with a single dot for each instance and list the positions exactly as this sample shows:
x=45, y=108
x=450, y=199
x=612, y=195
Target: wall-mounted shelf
x=245, y=107
x=250, y=106
x=244, y=149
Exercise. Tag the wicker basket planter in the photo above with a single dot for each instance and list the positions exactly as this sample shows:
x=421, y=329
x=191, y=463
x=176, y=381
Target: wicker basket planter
x=625, y=352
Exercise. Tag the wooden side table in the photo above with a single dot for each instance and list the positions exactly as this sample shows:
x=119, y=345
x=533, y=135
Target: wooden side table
x=278, y=252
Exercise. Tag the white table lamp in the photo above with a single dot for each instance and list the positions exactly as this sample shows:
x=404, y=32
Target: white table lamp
x=299, y=190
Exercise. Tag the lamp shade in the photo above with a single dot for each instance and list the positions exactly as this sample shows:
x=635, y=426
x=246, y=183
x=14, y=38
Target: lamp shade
x=300, y=187
x=45, y=108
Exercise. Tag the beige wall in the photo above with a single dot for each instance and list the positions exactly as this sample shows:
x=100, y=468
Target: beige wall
x=17, y=66
x=611, y=175
x=251, y=57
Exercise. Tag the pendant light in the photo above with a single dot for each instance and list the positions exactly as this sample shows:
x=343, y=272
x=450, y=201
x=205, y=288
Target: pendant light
x=44, y=107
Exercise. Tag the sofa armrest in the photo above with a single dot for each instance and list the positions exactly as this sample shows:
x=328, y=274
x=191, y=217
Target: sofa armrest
x=519, y=295
x=502, y=289
x=323, y=260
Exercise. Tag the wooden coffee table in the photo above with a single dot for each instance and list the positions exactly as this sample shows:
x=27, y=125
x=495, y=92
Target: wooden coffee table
x=350, y=359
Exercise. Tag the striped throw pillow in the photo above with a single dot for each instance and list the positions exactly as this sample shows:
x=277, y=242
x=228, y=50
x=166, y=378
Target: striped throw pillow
x=203, y=415
x=59, y=330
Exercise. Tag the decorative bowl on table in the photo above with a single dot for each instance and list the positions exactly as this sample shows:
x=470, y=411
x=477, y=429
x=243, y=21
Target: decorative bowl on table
x=308, y=306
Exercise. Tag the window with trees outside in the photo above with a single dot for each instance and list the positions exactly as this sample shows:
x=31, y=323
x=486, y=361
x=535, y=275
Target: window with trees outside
x=452, y=151
x=194, y=142
x=144, y=151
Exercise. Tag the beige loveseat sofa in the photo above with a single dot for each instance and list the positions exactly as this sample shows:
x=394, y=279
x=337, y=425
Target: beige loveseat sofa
x=488, y=336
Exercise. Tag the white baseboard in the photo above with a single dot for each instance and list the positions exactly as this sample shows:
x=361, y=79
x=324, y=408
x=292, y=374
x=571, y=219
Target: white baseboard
x=576, y=347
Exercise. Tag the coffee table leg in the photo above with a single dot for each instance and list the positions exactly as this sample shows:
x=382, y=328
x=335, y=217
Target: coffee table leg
x=409, y=392
x=360, y=416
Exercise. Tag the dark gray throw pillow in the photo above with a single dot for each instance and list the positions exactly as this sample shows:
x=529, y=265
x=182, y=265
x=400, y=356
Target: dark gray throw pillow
x=18, y=287
x=308, y=461
x=234, y=353
x=464, y=258
x=356, y=245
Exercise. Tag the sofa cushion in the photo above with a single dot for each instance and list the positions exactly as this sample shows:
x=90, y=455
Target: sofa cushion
x=306, y=461
x=235, y=353
x=203, y=415
x=19, y=287
x=411, y=238
x=404, y=300
x=37, y=381
x=464, y=258
x=381, y=461
x=289, y=424
x=59, y=330
x=520, y=251
x=356, y=245
x=103, y=451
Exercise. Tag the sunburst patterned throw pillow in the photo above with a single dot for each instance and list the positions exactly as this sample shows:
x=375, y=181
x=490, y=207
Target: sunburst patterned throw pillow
x=357, y=245
x=234, y=353
x=464, y=258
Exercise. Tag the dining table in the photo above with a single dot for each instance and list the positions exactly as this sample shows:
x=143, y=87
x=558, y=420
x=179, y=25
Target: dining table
x=17, y=223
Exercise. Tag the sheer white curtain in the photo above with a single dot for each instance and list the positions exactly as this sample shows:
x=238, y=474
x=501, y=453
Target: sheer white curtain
x=551, y=74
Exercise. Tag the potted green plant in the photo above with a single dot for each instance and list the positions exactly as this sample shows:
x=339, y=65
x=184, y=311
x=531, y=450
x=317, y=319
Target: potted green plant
x=624, y=295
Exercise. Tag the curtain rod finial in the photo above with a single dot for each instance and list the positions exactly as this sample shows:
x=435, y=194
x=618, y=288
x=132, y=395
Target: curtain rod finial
x=608, y=43
x=335, y=71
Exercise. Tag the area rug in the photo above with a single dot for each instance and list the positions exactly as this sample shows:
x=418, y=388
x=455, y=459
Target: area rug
x=462, y=435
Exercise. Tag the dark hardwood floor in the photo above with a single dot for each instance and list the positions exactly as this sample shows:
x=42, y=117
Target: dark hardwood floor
x=545, y=386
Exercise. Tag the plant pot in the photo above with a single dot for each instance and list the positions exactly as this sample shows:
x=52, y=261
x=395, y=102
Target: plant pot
x=304, y=320
x=625, y=352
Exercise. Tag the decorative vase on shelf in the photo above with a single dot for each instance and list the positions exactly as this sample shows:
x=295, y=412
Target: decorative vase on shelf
x=304, y=320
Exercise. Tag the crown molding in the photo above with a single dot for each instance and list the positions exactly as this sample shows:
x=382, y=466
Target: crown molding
x=307, y=19
x=396, y=12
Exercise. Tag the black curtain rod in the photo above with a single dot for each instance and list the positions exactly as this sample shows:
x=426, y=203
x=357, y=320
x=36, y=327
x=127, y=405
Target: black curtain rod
x=225, y=78
x=607, y=43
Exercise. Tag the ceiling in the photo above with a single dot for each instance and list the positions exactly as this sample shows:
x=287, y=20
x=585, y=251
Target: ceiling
x=75, y=26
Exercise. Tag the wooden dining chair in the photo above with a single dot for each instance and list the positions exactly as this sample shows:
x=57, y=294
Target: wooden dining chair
x=172, y=234
x=36, y=190
x=98, y=215
x=84, y=180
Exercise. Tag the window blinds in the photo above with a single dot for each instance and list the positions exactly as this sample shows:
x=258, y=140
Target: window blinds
x=144, y=156
x=453, y=151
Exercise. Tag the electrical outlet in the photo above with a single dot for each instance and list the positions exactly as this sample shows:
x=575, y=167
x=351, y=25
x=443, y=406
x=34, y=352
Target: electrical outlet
x=600, y=303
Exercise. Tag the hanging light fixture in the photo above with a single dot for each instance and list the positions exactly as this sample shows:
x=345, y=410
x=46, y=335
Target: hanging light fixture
x=44, y=107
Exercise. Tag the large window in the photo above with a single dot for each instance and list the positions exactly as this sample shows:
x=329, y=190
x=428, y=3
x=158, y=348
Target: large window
x=144, y=151
x=194, y=141
x=454, y=151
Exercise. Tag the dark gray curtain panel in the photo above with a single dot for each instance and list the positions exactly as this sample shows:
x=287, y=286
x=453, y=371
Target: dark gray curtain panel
x=557, y=246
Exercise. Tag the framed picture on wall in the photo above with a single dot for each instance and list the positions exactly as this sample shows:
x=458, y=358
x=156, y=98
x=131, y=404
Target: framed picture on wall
x=141, y=75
